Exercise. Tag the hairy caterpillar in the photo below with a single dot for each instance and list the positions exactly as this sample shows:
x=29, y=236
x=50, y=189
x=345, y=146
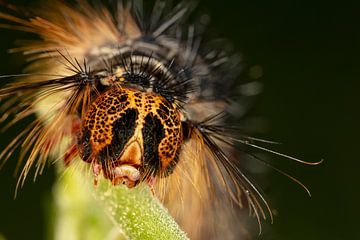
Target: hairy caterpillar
x=142, y=97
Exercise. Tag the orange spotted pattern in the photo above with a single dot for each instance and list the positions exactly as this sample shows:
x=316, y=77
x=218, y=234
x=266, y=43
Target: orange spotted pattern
x=112, y=105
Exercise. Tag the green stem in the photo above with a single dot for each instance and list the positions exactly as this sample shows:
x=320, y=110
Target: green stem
x=83, y=211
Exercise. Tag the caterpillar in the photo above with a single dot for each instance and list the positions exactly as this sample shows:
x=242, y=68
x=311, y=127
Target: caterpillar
x=140, y=96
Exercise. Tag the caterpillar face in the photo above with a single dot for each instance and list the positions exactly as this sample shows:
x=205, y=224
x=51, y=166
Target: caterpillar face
x=131, y=134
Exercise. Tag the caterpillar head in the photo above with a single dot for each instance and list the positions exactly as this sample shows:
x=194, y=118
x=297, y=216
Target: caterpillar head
x=131, y=134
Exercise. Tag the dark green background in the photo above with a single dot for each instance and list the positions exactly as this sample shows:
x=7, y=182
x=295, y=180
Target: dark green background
x=309, y=53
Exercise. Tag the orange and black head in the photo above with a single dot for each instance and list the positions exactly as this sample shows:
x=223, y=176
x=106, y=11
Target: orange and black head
x=133, y=128
x=132, y=131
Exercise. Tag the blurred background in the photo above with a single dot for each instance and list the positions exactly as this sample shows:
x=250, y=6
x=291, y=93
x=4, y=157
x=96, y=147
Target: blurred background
x=307, y=56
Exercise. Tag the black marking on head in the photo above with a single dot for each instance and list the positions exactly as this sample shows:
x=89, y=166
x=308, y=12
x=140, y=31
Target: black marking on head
x=123, y=98
x=165, y=108
x=162, y=114
x=123, y=129
x=153, y=132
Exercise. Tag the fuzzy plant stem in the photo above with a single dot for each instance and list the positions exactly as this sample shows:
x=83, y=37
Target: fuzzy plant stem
x=85, y=211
